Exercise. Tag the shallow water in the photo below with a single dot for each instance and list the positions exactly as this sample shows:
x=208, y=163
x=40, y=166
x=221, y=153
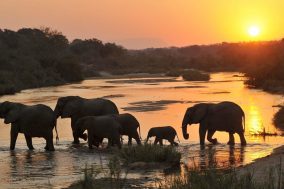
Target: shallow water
x=155, y=102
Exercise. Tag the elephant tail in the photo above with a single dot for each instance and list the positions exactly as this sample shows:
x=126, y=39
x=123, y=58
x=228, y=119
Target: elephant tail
x=55, y=126
x=139, y=133
x=244, y=120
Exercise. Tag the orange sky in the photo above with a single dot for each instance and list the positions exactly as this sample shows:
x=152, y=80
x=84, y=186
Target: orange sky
x=149, y=23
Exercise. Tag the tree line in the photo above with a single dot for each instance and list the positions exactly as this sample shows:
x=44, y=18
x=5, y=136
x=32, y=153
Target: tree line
x=33, y=57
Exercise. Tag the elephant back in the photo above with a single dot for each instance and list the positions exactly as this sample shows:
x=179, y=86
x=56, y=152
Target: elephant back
x=128, y=122
x=32, y=118
x=105, y=125
x=98, y=107
x=226, y=116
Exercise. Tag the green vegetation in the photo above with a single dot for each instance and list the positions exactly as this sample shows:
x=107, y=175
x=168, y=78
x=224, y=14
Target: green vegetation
x=150, y=153
x=100, y=177
x=278, y=119
x=220, y=179
x=115, y=175
x=194, y=75
x=42, y=57
x=33, y=58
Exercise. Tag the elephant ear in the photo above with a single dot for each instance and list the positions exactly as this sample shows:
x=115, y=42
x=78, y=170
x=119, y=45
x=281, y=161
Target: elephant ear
x=70, y=108
x=12, y=116
x=200, y=111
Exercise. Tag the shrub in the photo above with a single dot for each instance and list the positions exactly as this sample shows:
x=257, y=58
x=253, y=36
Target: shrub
x=194, y=75
x=150, y=153
x=278, y=119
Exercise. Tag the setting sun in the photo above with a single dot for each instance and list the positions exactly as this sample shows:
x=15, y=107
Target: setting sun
x=253, y=31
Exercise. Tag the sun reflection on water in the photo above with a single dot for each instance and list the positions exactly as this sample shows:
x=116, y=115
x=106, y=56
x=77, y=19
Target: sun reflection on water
x=255, y=120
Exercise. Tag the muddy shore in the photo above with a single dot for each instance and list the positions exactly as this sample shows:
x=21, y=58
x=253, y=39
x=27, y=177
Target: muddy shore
x=261, y=168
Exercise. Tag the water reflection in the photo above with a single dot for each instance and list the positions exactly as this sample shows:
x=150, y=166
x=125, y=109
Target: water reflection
x=30, y=165
x=213, y=156
x=255, y=120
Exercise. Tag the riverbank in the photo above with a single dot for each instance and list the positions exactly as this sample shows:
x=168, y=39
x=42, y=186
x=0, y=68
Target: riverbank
x=261, y=168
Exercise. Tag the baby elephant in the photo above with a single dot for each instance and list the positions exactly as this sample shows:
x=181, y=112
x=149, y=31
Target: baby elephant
x=129, y=126
x=167, y=132
x=99, y=127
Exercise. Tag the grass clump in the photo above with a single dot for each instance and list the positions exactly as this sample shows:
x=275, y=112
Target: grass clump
x=150, y=153
x=102, y=177
x=194, y=75
x=219, y=179
x=174, y=73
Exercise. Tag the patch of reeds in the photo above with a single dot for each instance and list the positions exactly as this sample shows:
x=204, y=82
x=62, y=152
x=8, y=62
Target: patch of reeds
x=150, y=153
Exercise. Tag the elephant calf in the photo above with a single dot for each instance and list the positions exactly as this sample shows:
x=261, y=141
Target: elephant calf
x=98, y=128
x=33, y=121
x=167, y=132
x=129, y=125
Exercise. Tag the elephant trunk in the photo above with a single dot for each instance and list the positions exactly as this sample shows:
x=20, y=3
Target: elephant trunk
x=184, y=126
x=184, y=132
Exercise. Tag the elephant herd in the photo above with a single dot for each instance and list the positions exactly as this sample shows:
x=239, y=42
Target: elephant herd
x=101, y=118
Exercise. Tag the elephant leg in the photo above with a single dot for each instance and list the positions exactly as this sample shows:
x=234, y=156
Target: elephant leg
x=161, y=142
x=110, y=142
x=173, y=143
x=49, y=142
x=117, y=142
x=14, y=136
x=156, y=141
x=76, y=138
x=84, y=136
x=242, y=138
x=29, y=142
x=129, y=141
x=137, y=139
x=231, y=139
x=91, y=141
x=210, y=135
x=202, y=133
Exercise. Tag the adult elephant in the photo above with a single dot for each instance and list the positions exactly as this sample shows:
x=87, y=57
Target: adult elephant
x=223, y=116
x=129, y=125
x=100, y=127
x=76, y=107
x=33, y=121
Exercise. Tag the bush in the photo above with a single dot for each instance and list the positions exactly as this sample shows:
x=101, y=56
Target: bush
x=278, y=119
x=194, y=75
x=174, y=73
x=150, y=153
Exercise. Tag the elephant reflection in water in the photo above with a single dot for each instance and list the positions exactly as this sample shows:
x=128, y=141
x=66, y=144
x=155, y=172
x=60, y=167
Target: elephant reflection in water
x=27, y=164
x=211, y=157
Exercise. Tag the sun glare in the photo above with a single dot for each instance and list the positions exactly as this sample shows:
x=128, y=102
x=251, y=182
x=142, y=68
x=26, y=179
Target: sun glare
x=253, y=31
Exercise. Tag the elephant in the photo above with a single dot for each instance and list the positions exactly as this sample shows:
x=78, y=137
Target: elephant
x=100, y=127
x=129, y=125
x=166, y=132
x=76, y=107
x=224, y=116
x=33, y=121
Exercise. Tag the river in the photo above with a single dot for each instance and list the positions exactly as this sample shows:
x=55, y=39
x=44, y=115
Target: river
x=154, y=102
